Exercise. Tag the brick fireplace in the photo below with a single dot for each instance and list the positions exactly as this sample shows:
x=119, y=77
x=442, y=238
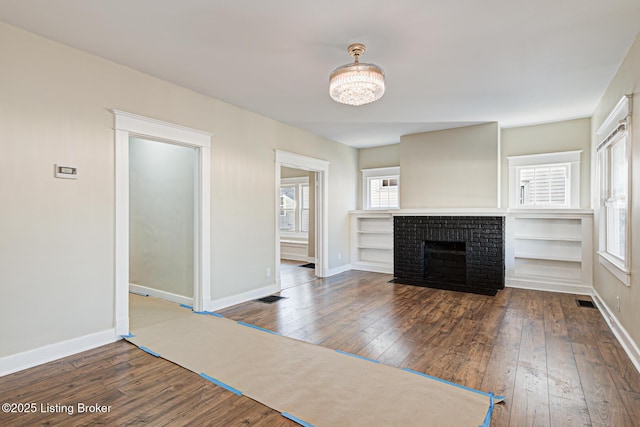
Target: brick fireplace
x=459, y=253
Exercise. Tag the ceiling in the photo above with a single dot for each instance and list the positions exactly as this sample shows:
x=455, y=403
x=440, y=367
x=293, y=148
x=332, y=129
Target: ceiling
x=448, y=63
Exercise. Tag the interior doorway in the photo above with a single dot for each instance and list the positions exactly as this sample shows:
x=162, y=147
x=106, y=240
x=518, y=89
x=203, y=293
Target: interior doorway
x=162, y=182
x=316, y=172
x=129, y=125
x=297, y=219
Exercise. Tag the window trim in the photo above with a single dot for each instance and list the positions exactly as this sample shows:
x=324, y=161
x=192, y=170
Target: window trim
x=392, y=172
x=615, y=128
x=570, y=158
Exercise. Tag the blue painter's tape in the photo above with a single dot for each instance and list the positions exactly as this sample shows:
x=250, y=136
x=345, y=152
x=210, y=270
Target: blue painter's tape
x=257, y=327
x=296, y=419
x=492, y=399
x=447, y=382
x=186, y=306
x=129, y=335
x=495, y=398
x=356, y=356
x=221, y=384
x=151, y=352
x=210, y=313
x=487, y=418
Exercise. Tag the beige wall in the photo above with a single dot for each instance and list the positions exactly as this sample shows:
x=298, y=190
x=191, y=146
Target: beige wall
x=286, y=172
x=376, y=157
x=453, y=168
x=57, y=240
x=566, y=135
x=161, y=189
x=626, y=81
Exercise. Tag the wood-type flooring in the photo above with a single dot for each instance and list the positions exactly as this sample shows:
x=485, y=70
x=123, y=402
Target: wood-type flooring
x=557, y=364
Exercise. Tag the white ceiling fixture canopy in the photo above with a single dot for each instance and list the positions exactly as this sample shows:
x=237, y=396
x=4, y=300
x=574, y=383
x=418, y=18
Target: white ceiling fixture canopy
x=357, y=83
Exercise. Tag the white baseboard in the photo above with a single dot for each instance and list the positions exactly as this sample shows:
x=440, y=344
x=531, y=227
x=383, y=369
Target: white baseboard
x=625, y=340
x=220, y=303
x=372, y=268
x=338, y=270
x=144, y=290
x=38, y=356
x=549, y=286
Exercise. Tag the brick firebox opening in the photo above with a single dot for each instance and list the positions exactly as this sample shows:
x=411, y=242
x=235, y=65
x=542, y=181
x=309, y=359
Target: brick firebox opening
x=460, y=253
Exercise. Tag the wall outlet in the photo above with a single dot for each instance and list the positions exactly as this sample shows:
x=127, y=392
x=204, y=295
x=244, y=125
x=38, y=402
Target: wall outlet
x=339, y=256
x=268, y=273
x=618, y=303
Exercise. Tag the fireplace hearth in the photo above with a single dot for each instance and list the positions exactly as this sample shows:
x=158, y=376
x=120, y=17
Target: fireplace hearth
x=459, y=253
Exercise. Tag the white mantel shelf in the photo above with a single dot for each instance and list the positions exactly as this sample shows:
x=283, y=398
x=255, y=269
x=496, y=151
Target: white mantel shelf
x=477, y=212
x=438, y=212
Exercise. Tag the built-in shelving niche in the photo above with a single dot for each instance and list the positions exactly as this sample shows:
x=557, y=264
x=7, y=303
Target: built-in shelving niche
x=372, y=242
x=550, y=251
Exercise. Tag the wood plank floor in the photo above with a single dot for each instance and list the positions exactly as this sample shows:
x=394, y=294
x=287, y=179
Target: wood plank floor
x=292, y=274
x=557, y=364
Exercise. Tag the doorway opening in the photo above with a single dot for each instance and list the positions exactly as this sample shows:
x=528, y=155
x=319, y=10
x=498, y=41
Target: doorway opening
x=130, y=126
x=162, y=183
x=297, y=226
x=301, y=219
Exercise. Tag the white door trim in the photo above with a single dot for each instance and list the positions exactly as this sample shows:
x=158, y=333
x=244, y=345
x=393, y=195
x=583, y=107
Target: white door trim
x=321, y=167
x=126, y=125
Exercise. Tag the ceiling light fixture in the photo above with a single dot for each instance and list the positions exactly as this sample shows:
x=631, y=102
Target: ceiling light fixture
x=356, y=83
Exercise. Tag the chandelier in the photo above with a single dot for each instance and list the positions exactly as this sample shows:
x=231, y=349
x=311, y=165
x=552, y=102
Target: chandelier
x=356, y=83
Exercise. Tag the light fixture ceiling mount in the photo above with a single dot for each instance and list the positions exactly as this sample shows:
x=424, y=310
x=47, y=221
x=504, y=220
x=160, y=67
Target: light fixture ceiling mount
x=356, y=83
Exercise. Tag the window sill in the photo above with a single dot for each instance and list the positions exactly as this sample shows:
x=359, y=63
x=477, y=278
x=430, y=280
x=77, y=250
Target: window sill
x=610, y=264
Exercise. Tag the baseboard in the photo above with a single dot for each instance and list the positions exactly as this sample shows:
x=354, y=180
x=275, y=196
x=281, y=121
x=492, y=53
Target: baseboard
x=157, y=293
x=372, y=268
x=549, y=286
x=338, y=270
x=625, y=340
x=220, y=303
x=38, y=356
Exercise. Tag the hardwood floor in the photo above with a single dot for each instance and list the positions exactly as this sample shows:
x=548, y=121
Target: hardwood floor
x=292, y=274
x=557, y=364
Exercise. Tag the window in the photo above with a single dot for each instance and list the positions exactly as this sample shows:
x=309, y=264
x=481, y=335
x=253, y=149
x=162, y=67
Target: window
x=544, y=185
x=612, y=164
x=294, y=205
x=547, y=180
x=381, y=188
x=288, y=208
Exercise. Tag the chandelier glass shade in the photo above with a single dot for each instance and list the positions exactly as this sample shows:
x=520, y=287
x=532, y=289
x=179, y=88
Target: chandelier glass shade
x=356, y=83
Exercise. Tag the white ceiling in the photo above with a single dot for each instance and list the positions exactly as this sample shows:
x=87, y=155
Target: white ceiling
x=448, y=63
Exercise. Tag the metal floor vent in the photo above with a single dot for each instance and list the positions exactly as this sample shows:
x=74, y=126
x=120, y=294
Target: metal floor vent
x=585, y=303
x=270, y=299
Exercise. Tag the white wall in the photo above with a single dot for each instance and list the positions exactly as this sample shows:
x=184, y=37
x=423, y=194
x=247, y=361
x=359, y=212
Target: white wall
x=161, y=190
x=376, y=157
x=568, y=135
x=453, y=168
x=626, y=81
x=57, y=240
